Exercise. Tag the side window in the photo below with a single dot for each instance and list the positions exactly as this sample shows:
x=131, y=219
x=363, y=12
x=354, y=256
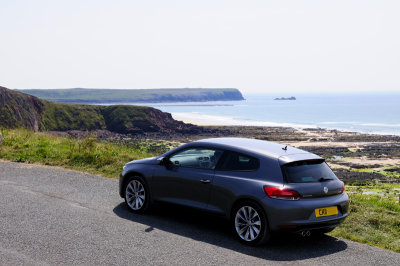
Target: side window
x=233, y=161
x=204, y=158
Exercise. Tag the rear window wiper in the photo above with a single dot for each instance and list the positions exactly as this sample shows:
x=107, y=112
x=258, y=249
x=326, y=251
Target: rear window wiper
x=322, y=179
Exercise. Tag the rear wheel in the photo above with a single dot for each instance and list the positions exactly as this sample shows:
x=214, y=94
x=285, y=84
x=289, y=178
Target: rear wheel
x=250, y=224
x=137, y=194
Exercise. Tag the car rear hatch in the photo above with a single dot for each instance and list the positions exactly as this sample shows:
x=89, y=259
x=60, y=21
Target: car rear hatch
x=311, y=178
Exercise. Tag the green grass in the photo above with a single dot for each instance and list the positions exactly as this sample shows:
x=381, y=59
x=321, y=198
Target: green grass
x=373, y=219
x=119, y=118
x=85, y=154
x=122, y=118
x=58, y=116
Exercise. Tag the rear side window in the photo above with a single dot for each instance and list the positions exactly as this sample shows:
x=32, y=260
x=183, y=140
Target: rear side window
x=233, y=161
x=308, y=171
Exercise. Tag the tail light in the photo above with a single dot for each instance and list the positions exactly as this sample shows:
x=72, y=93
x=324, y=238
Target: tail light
x=281, y=193
x=342, y=189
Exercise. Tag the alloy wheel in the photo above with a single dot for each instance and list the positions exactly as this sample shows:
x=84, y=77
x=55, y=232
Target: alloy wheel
x=135, y=195
x=247, y=223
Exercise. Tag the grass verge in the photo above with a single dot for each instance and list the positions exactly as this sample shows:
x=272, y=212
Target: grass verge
x=374, y=217
x=85, y=154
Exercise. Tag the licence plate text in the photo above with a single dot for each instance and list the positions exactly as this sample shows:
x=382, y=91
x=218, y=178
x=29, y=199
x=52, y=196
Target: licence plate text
x=326, y=211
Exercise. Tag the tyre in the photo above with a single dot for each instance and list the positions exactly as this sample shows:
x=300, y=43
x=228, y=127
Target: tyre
x=137, y=195
x=249, y=224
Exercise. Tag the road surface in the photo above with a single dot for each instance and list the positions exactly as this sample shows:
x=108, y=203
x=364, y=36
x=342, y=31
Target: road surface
x=51, y=216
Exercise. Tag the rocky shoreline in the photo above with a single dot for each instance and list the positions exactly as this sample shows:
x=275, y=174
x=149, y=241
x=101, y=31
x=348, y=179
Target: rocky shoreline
x=356, y=158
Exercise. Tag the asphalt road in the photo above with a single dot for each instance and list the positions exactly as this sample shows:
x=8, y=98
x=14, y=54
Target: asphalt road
x=56, y=216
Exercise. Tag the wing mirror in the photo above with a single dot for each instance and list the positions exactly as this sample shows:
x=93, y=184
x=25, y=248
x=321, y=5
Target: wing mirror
x=166, y=162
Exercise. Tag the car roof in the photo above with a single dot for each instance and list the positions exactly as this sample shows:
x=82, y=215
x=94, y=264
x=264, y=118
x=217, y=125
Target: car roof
x=285, y=153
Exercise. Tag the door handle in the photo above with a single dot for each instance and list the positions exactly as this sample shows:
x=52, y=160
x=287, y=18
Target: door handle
x=205, y=181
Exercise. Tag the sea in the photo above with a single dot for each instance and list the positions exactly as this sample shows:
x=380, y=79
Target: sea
x=377, y=113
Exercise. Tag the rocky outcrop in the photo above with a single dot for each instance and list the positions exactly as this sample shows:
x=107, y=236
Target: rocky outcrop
x=128, y=120
x=19, y=110
x=166, y=123
x=285, y=99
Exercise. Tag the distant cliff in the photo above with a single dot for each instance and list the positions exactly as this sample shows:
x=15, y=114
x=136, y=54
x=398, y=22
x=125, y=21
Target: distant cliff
x=19, y=110
x=80, y=95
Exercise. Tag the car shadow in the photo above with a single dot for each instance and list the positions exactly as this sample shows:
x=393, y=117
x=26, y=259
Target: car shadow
x=216, y=231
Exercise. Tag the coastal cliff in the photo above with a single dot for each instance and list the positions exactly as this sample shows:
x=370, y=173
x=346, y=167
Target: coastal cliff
x=19, y=110
x=81, y=95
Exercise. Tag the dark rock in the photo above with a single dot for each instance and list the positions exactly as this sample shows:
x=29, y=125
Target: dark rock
x=393, y=170
x=285, y=99
x=326, y=152
x=348, y=176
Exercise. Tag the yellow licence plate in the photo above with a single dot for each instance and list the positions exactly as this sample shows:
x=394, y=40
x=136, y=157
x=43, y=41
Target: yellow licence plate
x=326, y=211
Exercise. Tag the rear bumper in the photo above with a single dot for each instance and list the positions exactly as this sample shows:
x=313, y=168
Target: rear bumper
x=284, y=215
x=316, y=226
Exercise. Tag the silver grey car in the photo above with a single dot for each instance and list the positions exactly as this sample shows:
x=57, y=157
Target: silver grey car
x=261, y=187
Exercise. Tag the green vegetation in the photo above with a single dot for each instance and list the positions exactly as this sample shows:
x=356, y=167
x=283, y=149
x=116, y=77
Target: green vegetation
x=86, y=154
x=374, y=217
x=61, y=117
x=374, y=208
x=121, y=119
x=80, y=95
x=117, y=118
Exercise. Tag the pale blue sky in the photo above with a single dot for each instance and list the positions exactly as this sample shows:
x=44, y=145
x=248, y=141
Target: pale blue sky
x=256, y=46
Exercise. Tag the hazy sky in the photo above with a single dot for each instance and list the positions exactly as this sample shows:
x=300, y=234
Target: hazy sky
x=256, y=46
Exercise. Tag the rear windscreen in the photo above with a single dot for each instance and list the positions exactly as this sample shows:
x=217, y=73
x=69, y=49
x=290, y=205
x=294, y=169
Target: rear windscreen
x=308, y=171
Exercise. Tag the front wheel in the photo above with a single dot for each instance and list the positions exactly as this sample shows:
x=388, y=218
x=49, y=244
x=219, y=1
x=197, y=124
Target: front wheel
x=137, y=195
x=250, y=224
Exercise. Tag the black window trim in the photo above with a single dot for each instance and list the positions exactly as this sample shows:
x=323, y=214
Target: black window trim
x=218, y=166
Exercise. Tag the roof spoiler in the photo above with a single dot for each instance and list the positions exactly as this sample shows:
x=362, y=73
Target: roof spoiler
x=289, y=158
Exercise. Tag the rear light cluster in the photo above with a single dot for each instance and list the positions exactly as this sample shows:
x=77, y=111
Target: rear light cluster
x=342, y=188
x=281, y=193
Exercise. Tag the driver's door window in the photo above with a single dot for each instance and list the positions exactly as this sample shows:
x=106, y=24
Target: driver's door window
x=204, y=158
